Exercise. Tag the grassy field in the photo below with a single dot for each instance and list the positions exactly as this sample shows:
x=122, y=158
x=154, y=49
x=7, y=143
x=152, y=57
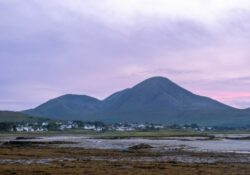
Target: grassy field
x=124, y=168
x=105, y=167
x=126, y=134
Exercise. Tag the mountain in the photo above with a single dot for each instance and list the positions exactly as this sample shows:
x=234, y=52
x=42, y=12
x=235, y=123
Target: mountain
x=159, y=93
x=67, y=107
x=157, y=100
x=8, y=116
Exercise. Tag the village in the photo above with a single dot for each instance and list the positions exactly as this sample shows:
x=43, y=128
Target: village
x=46, y=126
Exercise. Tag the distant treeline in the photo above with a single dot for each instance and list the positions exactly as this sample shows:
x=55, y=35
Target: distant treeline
x=7, y=126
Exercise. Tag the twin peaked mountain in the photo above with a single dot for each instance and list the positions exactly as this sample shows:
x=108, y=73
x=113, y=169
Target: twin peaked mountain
x=156, y=100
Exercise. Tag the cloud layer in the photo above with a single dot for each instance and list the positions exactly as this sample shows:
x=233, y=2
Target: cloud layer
x=52, y=47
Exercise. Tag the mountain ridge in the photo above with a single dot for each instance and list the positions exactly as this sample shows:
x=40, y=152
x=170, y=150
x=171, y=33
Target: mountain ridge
x=165, y=91
x=156, y=100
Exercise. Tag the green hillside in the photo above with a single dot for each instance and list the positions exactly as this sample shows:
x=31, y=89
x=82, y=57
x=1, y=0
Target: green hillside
x=156, y=100
x=8, y=116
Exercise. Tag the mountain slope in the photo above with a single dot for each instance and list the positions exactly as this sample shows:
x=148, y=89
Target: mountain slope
x=161, y=94
x=156, y=100
x=68, y=107
x=8, y=116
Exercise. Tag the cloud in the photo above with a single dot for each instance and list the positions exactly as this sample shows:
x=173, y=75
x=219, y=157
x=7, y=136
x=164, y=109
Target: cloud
x=48, y=48
x=127, y=11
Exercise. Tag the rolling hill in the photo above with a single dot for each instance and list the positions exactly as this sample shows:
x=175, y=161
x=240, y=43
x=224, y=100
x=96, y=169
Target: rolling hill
x=8, y=116
x=156, y=100
x=67, y=107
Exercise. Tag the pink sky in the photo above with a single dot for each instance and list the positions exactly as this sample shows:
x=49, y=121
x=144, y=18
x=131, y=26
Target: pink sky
x=53, y=47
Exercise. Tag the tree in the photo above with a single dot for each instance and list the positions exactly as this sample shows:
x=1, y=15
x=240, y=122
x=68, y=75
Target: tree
x=4, y=126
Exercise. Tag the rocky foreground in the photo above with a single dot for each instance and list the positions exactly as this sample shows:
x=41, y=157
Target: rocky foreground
x=26, y=157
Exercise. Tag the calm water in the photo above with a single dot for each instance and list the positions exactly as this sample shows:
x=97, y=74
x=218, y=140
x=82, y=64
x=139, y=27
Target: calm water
x=198, y=144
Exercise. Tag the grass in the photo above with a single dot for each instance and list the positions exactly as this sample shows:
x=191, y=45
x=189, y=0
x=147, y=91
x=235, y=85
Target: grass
x=126, y=134
x=105, y=167
x=123, y=168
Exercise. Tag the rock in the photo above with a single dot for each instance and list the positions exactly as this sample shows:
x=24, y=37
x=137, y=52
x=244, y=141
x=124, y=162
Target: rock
x=140, y=146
